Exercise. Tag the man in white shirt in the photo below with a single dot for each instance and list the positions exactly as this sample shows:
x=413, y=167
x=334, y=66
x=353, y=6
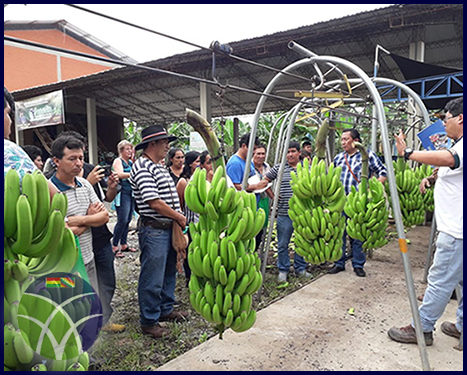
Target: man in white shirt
x=446, y=271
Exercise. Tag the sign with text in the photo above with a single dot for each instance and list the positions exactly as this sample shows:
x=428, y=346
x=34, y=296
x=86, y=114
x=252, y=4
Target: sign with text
x=197, y=142
x=43, y=110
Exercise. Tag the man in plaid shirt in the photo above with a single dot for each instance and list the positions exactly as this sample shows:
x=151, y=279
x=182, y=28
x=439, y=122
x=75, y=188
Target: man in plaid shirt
x=351, y=162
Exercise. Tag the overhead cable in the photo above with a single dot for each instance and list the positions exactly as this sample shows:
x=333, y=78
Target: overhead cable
x=139, y=66
x=190, y=43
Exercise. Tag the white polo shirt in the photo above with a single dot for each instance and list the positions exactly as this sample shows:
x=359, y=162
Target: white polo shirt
x=449, y=195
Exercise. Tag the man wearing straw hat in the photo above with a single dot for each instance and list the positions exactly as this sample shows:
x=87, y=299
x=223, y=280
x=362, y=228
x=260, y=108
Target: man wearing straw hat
x=158, y=206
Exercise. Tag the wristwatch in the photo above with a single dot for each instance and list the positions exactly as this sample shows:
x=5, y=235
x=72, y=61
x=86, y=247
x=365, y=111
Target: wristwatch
x=407, y=152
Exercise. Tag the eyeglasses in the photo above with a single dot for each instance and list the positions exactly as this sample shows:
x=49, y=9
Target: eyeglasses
x=445, y=118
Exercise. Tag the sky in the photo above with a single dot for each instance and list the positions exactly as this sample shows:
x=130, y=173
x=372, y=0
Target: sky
x=197, y=23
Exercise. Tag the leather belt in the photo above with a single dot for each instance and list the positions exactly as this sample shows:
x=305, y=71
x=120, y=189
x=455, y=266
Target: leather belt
x=155, y=223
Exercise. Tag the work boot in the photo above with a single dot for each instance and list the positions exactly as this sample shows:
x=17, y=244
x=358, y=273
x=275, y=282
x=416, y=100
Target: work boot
x=336, y=269
x=282, y=277
x=174, y=316
x=407, y=335
x=450, y=329
x=156, y=331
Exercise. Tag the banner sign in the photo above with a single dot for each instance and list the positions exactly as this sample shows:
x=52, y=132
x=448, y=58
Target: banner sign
x=43, y=110
x=197, y=142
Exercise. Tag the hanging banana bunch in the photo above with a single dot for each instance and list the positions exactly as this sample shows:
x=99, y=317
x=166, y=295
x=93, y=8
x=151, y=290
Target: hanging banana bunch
x=225, y=267
x=410, y=198
x=316, y=206
x=36, y=243
x=366, y=209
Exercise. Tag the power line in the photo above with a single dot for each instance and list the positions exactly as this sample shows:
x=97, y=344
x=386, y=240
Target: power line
x=212, y=49
x=144, y=67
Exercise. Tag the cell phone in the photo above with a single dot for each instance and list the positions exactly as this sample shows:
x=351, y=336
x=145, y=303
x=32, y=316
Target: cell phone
x=107, y=170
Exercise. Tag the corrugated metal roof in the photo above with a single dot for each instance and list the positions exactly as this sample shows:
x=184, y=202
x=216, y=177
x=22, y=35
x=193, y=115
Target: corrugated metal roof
x=148, y=97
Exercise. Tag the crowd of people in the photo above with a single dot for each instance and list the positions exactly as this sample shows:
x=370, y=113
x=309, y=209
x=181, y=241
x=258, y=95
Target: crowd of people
x=153, y=183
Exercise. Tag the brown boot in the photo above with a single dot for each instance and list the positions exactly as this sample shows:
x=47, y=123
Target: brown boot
x=155, y=331
x=174, y=316
x=407, y=335
x=450, y=329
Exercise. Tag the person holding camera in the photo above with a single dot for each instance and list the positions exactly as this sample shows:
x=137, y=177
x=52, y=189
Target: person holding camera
x=124, y=202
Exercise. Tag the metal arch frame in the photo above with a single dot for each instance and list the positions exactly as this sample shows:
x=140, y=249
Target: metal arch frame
x=379, y=112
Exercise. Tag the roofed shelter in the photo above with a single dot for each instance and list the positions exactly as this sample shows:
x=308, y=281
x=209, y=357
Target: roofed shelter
x=432, y=33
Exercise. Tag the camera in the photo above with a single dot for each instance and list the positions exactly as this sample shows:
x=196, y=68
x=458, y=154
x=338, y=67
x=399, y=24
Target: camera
x=107, y=170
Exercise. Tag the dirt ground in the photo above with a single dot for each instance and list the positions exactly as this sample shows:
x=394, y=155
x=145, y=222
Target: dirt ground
x=312, y=329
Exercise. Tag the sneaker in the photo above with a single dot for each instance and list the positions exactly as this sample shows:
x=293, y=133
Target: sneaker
x=282, y=277
x=359, y=272
x=113, y=328
x=174, y=316
x=407, y=335
x=304, y=274
x=336, y=269
x=450, y=329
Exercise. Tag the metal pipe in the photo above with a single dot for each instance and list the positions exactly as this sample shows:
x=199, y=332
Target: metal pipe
x=271, y=132
x=294, y=46
x=305, y=52
x=280, y=135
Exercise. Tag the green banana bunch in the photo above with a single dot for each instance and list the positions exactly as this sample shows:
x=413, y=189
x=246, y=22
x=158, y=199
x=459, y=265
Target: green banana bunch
x=411, y=200
x=316, y=211
x=225, y=267
x=367, y=214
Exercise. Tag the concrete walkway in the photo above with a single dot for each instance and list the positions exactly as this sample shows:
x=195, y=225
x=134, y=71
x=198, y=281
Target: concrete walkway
x=312, y=329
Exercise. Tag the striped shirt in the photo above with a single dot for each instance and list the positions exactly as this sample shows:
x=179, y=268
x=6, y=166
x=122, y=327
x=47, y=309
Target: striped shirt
x=151, y=181
x=375, y=167
x=286, y=190
x=79, y=199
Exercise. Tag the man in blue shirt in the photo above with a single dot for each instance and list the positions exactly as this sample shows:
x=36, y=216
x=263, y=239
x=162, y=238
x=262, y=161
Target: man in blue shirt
x=350, y=160
x=236, y=165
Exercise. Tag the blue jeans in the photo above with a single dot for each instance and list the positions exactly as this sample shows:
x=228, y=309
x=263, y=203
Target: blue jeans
x=445, y=274
x=357, y=254
x=284, y=232
x=104, y=259
x=124, y=214
x=156, y=286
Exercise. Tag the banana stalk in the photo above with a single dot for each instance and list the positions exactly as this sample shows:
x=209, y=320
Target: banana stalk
x=364, y=175
x=321, y=136
x=205, y=130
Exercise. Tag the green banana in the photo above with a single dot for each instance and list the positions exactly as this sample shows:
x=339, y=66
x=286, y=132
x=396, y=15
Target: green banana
x=24, y=223
x=43, y=202
x=23, y=350
x=11, y=195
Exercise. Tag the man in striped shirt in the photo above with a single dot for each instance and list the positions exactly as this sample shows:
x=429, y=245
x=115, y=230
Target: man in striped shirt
x=158, y=206
x=85, y=210
x=284, y=223
x=350, y=160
